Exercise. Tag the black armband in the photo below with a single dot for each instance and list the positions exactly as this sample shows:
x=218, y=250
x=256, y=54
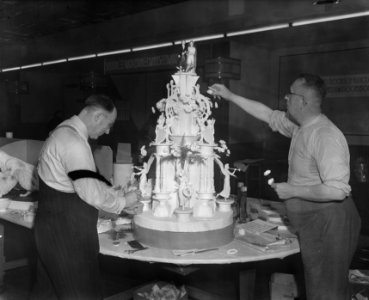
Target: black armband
x=78, y=174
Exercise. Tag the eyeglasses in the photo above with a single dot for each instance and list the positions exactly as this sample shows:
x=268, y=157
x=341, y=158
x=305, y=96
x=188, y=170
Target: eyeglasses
x=290, y=94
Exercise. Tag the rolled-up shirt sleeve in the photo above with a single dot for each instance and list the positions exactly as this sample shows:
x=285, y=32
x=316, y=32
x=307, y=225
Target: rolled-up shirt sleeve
x=279, y=122
x=99, y=195
x=78, y=156
x=332, y=157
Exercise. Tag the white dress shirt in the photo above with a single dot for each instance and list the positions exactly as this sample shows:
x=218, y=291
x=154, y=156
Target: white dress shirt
x=67, y=149
x=318, y=154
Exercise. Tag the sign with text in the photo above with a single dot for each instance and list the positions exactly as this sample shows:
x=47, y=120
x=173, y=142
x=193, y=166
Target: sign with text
x=346, y=74
x=355, y=85
x=134, y=64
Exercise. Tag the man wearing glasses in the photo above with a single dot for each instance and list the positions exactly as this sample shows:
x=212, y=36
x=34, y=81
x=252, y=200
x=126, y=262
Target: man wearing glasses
x=317, y=194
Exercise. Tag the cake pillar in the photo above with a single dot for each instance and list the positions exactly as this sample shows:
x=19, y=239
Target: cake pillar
x=207, y=169
x=205, y=205
x=161, y=152
x=157, y=174
x=164, y=183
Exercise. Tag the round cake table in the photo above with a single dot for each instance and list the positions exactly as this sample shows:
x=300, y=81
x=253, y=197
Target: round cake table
x=114, y=243
x=234, y=252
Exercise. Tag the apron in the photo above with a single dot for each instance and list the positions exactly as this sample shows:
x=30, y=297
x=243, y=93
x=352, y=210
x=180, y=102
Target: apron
x=67, y=244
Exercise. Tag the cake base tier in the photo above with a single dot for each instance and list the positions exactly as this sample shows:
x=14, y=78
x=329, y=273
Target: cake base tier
x=184, y=240
x=195, y=233
x=217, y=221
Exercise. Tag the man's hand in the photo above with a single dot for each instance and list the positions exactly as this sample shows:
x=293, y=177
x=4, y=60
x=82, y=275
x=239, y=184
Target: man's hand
x=134, y=209
x=219, y=91
x=284, y=190
x=133, y=204
x=132, y=198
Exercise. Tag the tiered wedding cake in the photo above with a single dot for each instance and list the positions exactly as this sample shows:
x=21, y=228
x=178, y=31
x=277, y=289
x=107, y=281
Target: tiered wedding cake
x=182, y=209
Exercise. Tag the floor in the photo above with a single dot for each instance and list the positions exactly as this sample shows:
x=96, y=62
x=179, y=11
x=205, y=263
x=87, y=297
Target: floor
x=17, y=284
x=120, y=275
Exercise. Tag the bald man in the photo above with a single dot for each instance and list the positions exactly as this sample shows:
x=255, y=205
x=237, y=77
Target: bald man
x=317, y=194
x=71, y=193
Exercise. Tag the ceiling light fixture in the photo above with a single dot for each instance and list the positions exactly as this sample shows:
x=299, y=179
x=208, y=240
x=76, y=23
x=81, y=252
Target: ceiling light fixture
x=152, y=46
x=52, y=62
x=202, y=38
x=81, y=57
x=258, y=29
x=332, y=18
x=113, y=52
x=323, y=2
x=10, y=69
x=31, y=66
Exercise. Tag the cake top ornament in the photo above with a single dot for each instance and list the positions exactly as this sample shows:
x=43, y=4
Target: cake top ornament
x=187, y=59
x=191, y=58
x=182, y=58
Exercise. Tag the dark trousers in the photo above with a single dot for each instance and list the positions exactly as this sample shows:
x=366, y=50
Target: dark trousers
x=68, y=247
x=328, y=240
